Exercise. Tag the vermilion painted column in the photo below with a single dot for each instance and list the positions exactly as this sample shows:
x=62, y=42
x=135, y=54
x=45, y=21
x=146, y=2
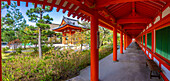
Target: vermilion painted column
x=153, y=41
x=114, y=44
x=121, y=42
x=63, y=38
x=0, y=48
x=142, y=39
x=124, y=42
x=145, y=39
x=94, y=49
x=70, y=38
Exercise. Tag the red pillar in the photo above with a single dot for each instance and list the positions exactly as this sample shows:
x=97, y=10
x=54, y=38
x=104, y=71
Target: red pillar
x=124, y=42
x=121, y=42
x=70, y=38
x=153, y=41
x=0, y=48
x=63, y=38
x=94, y=49
x=142, y=39
x=145, y=39
x=114, y=44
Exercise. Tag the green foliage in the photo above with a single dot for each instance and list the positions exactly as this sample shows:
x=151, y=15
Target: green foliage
x=45, y=48
x=42, y=26
x=35, y=49
x=19, y=50
x=56, y=65
x=37, y=15
x=5, y=49
x=4, y=5
x=8, y=35
x=13, y=18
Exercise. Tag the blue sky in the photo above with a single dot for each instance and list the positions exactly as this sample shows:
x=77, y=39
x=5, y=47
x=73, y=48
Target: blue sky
x=57, y=16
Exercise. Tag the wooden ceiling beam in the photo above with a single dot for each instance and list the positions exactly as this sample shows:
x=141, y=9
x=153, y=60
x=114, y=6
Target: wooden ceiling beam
x=136, y=20
x=134, y=27
x=103, y=3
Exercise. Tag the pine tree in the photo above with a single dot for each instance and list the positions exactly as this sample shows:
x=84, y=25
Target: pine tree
x=37, y=15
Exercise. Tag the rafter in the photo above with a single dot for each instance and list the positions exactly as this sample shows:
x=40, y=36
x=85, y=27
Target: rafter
x=110, y=15
x=103, y=3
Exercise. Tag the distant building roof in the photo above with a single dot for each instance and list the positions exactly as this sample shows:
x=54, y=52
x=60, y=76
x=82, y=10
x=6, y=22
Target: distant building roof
x=53, y=25
x=69, y=21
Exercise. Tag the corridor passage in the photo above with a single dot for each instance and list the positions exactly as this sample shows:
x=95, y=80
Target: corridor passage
x=130, y=67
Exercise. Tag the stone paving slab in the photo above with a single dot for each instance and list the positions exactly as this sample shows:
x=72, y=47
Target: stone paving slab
x=131, y=67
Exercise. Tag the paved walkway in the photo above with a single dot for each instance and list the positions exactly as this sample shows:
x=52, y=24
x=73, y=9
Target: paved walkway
x=131, y=67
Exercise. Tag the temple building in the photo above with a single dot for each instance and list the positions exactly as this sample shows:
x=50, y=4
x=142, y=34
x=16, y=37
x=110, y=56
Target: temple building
x=69, y=26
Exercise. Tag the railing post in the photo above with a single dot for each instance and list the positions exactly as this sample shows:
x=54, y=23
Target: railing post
x=94, y=49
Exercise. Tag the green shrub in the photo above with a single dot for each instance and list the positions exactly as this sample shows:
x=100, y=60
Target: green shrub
x=5, y=49
x=45, y=48
x=19, y=50
x=57, y=66
x=35, y=49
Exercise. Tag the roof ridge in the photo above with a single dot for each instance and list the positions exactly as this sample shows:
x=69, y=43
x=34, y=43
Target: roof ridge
x=69, y=18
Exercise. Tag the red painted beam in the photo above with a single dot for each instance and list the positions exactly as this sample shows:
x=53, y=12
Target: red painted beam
x=136, y=20
x=52, y=4
x=104, y=3
x=18, y=3
x=134, y=27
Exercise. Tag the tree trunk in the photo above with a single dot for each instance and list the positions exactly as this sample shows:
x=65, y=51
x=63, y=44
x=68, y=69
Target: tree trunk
x=81, y=46
x=24, y=45
x=39, y=43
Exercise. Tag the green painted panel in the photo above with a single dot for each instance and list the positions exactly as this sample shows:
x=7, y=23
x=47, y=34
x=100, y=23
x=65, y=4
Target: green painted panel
x=163, y=42
x=168, y=43
x=143, y=39
x=149, y=40
x=158, y=41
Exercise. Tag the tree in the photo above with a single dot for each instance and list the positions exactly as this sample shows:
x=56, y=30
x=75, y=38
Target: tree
x=37, y=15
x=105, y=36
x=82, y=37
x=4, y=5
x=13, y=18
x=12, y=22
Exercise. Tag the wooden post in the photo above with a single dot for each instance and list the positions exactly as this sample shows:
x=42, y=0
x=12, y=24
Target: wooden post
x=114, y=44
x=0, y=48
x=142, y=39
x=124, y=42
x=153, y=41
x=145, y=39
x=121, y=42
x=70, y=38
x=63, y=38
x=94, y=49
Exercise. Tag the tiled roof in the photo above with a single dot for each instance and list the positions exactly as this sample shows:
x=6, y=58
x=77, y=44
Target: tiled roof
x=71, y=22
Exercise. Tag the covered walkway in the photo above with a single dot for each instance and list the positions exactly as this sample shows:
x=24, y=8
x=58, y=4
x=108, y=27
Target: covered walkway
x=131, y=67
